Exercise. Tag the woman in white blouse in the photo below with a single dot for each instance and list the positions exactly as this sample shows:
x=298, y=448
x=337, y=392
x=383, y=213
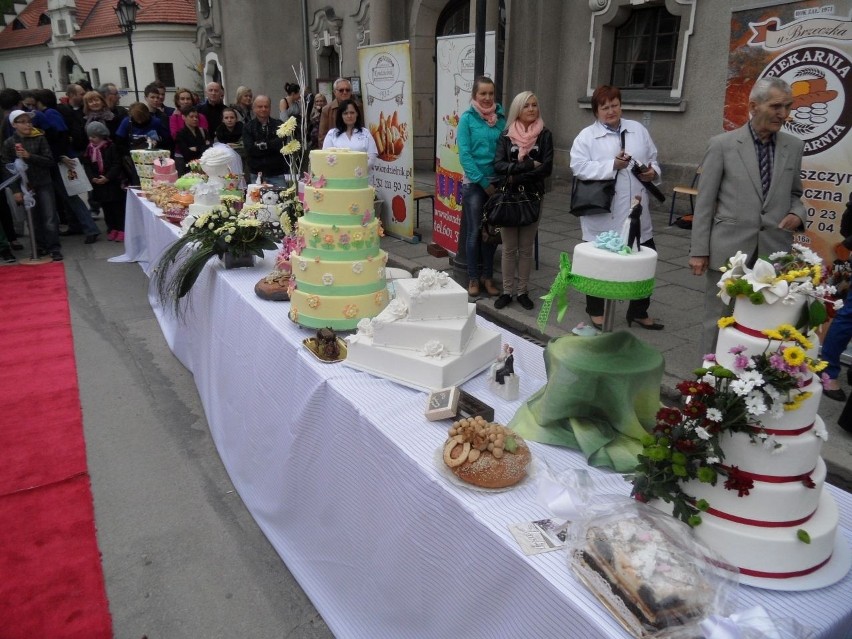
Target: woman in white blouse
x=350, y=132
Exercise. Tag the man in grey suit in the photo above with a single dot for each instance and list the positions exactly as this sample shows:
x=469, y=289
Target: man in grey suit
x=749, y=195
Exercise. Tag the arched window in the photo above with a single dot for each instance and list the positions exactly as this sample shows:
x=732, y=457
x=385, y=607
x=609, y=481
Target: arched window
x=454, y=19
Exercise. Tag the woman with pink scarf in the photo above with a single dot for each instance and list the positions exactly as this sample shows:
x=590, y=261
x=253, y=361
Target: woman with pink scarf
x=478, y=131
x=525, y=156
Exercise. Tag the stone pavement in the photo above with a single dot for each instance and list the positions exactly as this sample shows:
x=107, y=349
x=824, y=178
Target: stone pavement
x=677, y=301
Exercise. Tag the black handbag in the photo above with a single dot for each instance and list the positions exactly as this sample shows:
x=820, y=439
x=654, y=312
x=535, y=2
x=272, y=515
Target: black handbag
x=490, y=232
x=512, y=206
x=591, y=197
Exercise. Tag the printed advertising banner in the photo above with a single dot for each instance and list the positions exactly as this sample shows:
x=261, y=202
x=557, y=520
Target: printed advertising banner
x=808, y=45
x=455, y=80
x=386, y=88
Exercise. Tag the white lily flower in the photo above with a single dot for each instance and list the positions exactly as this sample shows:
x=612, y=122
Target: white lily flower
x=763, y=278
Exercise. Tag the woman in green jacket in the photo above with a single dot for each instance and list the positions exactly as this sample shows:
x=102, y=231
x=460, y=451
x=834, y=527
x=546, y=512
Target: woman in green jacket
x=479, y=129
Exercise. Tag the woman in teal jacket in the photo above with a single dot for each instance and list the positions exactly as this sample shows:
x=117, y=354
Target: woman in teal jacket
x=479, y=129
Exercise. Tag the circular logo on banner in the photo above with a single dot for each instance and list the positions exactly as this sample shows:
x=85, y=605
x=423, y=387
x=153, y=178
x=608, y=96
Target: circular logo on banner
x=385, y=70
x=819, y=77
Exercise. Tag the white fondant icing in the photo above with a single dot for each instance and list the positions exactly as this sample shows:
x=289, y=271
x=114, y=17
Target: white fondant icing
x=599, y=264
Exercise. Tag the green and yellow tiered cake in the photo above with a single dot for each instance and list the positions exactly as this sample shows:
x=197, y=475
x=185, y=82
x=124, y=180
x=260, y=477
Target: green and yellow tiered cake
x=340, y=269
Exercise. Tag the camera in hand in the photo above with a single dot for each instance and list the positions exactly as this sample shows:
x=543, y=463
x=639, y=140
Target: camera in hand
x=637, y=168
x=261, y=146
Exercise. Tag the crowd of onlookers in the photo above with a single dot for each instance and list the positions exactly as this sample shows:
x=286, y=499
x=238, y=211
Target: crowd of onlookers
x=89, y=129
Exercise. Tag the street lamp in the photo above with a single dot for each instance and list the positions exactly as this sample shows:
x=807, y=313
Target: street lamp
x=126, y=11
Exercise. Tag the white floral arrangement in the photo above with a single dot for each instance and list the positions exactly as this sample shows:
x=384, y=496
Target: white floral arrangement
x=783, y=277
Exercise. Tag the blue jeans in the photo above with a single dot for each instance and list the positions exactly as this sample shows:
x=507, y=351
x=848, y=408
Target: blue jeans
x=838, y=336
x=45, y=219
x=473, y=199
x=274, y=180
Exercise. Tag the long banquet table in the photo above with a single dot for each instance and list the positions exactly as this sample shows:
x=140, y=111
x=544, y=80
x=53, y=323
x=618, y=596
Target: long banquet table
x=338, y=469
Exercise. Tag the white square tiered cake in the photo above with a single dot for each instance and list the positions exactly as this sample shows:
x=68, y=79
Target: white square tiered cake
x=427, y=336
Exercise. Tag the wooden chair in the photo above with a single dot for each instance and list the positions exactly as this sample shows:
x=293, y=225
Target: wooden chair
x=691, y=191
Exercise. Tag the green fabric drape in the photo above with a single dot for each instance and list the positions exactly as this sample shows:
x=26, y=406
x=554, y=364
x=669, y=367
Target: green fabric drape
x=602, y=394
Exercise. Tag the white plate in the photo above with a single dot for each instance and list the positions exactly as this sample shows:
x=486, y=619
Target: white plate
x=454, y=479
x=832, y=572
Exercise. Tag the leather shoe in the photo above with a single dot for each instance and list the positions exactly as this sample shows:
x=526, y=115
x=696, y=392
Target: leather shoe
x=525, y=301
x=653, y=326
x=473, y=288
x=503, y=301
x=837, y=394
x=490, y=288
x=91, y=239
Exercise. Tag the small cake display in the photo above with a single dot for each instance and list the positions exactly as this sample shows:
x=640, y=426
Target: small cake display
x=427, y=337
x=327, y=344
x=339, y=267
x=602, y=268
x=486, y=454
x=206, y=198
x=165, y=171
x=605, y=268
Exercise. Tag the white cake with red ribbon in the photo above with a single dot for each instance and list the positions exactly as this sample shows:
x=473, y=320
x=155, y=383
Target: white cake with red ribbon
x=783, y=525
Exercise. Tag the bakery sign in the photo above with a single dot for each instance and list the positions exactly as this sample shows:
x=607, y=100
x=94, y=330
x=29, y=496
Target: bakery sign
x=386, y=69
x=809, y=46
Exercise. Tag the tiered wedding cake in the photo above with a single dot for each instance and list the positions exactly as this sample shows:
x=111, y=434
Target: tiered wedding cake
x=427, y=336
x=745, y=449
x=340, y=268
x=785, y=524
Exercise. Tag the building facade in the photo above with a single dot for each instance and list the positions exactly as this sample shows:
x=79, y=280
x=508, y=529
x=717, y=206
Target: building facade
x=50, y=43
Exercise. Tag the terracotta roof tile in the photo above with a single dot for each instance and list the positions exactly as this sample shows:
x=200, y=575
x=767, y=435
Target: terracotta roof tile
x=97, y=19
x=31, y=36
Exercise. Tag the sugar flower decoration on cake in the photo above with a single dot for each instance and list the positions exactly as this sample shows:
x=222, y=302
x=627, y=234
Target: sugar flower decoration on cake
x=365, y=327
x=397, y=309
x=331, y=159
x=319, y=182
x=327, y=279
x=350, y=311
x=782, y=277
x=434, y=348
x=357, y=267
x=354, y=208
x=611, y=241
x=359, y=172
x=313, y=301
x=685, y=443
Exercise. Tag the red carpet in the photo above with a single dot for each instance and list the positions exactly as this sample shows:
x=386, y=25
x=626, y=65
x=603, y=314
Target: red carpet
x=51, y=581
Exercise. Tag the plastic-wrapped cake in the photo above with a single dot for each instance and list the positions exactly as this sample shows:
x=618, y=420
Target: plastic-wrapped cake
x=427, y=337
x=339, y=270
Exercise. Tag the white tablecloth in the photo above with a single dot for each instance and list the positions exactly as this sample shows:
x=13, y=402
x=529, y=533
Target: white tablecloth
x=337, y=468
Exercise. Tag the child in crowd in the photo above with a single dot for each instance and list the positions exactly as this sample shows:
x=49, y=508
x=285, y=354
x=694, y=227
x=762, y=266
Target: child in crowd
x=230, y=132
x=29, y=144
x=102, y=161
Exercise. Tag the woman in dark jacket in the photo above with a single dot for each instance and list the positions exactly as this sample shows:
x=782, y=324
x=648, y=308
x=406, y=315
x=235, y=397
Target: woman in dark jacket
x=103, y=164
x=525, y=156
x=191, y=141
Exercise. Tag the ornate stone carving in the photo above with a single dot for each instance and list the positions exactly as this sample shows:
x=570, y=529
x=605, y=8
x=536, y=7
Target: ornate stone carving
x=362, y=20
x=598, y=5
x=325, y=30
